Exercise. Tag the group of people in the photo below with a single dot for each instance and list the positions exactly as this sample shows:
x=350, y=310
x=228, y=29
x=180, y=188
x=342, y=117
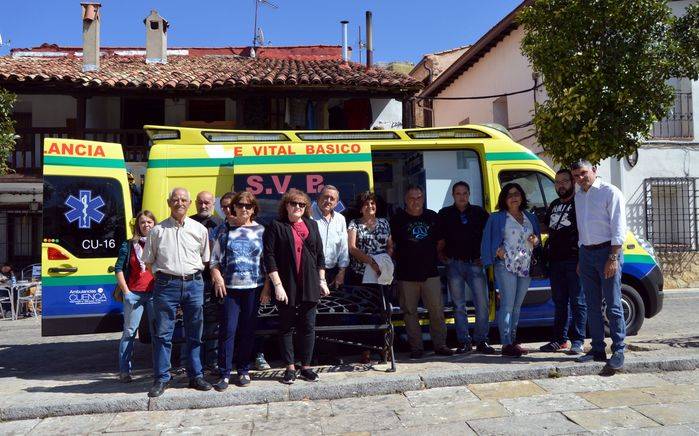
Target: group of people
x=310, y=250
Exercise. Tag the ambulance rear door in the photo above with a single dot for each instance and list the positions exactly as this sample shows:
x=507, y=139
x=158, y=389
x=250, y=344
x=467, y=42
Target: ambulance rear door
x=86, y=213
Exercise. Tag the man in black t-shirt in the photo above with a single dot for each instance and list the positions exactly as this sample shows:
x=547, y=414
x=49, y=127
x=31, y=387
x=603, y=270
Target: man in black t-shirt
x=563, y=254
x=463, y=224
x=416, y=235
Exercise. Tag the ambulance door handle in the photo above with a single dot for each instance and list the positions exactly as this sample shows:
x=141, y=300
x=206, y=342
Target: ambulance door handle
x=70, y=269
x=110, y=269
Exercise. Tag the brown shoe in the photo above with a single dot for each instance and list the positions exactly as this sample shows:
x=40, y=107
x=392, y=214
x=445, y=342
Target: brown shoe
x=444, y=351
x=521, y=349
x=511, y=351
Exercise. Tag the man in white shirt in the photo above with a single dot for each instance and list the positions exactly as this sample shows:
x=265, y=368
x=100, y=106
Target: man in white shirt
x=333, y=233
x=601, y=218
x=176, y=251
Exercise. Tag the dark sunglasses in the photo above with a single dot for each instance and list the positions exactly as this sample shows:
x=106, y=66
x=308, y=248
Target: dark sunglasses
x=247, y=206
x=298, y=204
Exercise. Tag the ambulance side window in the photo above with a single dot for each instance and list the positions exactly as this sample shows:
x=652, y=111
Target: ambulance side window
x=538, y=187
x=84, y=215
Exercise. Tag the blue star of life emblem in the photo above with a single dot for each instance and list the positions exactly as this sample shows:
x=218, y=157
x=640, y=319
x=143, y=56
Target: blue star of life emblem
x=84, y=209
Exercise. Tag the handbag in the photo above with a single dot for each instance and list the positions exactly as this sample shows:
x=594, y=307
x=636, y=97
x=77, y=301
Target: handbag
x=538, y=268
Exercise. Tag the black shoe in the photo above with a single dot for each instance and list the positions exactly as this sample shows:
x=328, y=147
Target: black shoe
x=464, y=348
x=289, y=377
x=484, y=348
x=125, y=378
x=308, y=374
x=444, y=351
x=591, y=356
x=221, y=385
x=417, y=354
x=243, y=380
x=157, y=389
x=200, y=384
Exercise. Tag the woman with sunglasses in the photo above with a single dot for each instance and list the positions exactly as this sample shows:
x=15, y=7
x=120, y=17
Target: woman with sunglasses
x=294, y=259
x=509, y=238
x=236, y=272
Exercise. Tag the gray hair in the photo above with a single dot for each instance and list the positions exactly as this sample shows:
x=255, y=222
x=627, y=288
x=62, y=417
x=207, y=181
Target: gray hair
x=172, y=193
x=329, y=188
x=582, y=163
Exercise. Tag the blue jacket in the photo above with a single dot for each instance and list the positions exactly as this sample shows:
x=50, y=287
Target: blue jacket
x=122, y=263
x=493, y=234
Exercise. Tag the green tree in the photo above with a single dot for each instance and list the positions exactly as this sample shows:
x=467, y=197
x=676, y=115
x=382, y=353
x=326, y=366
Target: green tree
x=605, y=66
x=7, y=129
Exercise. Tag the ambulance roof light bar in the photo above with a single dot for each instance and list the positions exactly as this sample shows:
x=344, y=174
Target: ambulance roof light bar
x=447, y=134
x=162, y=134
x=356, y=136
x=245, y=137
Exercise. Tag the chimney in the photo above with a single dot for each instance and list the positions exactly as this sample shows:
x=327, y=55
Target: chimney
x=156, y=38
x=345, y=56
x=91, y=36
x=369, y=41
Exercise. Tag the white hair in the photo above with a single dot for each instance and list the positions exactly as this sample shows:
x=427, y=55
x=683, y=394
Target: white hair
x=172, y=193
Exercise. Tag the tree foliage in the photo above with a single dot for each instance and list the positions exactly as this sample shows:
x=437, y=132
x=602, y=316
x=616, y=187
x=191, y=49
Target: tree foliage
x=7, y=129
x=605, y=66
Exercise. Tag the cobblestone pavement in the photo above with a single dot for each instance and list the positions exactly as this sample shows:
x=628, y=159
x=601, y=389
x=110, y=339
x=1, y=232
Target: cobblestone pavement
x=661, y=403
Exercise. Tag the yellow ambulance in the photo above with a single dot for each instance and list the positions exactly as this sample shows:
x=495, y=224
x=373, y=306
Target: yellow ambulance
x=87, y=204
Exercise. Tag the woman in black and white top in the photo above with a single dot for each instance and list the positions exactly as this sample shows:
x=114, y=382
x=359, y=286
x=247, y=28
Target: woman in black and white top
x=367, y=236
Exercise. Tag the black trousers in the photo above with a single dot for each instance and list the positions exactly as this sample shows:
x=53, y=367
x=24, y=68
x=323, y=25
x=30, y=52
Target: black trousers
x=302, y=321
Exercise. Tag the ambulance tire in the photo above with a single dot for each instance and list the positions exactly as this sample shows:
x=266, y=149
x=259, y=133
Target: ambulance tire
x=143, y=330
x=634, y=310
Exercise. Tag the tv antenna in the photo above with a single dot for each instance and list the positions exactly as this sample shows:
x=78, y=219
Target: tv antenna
x=360, y=44
x=3, y=43
x=257, y=35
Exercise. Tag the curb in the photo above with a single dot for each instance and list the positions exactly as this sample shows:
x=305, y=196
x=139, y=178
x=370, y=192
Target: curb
x=386, y=384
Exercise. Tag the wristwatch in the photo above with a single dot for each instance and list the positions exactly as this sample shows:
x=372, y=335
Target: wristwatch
x=614, y=257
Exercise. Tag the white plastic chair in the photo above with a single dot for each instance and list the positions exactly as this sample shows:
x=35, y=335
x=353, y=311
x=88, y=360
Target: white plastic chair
x=5, y=297
x=24, y=297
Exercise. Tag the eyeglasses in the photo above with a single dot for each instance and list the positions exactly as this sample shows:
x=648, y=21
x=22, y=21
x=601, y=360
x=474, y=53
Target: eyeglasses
x=247, y=206
x=514, y=195
x=297, y=204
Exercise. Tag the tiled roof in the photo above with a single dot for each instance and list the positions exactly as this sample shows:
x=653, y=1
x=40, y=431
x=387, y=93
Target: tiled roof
x=200, y=72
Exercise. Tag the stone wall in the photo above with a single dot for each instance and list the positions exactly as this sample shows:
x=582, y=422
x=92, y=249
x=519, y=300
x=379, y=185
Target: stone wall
x=680, y=270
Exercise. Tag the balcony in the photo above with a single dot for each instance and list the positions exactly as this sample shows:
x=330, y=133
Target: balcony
x=678, y=125
x=27, y=157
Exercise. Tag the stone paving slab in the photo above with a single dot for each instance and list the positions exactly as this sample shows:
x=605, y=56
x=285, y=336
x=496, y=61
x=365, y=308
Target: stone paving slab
x=371, y=404
x=76, y=424
x=362, y=422
x=589, y=383
x=145, y=421
x=531, y=405
x=674, y=393
x=674, y=430
x=509, y=389
x=289, y=427
x=608, y=419
x=544, y=424
x=436, y=414
x=441, y=396
x=452, y=428
x=224, y=415
x=681, y=377
x=18, y=427
x=299, y=409
x=230, y=428
x=671, y=414
x=619, y=398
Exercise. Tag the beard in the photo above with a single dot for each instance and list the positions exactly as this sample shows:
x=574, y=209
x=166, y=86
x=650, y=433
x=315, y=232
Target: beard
x=565, y=193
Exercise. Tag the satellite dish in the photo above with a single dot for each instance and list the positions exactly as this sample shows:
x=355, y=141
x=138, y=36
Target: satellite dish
x=260, y=36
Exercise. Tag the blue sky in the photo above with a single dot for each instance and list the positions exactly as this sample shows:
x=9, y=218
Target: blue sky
x=404, y=30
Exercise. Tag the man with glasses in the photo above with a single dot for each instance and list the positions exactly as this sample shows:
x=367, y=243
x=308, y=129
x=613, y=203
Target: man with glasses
x=176, y=251
x=333, y=232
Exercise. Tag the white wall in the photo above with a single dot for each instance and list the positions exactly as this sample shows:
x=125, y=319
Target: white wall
x=47, y=110
x=654, y=160
x=503, y=69
x=388, y=113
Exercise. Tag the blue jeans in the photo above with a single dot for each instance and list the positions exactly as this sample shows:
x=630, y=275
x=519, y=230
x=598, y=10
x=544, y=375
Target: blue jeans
x=597, y=288
x=467, y=278
x=239, y=322
x=170, y=293
x=134, y=305
x=513, y=289
x=568, y=294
